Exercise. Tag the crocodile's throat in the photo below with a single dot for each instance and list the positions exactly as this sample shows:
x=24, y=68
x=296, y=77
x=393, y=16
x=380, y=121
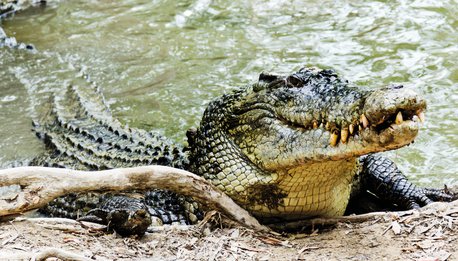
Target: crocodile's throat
x=317, y=189
x=307, y=190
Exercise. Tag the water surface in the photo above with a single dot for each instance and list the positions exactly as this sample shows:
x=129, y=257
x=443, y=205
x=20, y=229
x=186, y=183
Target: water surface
x=159, y=63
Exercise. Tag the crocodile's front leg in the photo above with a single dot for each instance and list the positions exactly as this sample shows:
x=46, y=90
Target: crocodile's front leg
x=381, y=177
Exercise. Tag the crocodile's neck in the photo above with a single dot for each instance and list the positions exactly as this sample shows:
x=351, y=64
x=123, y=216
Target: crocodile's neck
x=315, y=189
x=310, y=189
x=218, y=159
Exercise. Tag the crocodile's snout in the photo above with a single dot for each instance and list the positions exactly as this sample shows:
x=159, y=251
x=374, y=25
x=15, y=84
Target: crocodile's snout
x=393, y=105
x=391, y=117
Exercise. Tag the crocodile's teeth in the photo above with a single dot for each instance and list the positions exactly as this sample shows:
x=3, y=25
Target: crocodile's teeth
x=399, y=118
x=421, y=116
x=327, y=126
x=360, y=128
x=333, y=139
x=351, y=128
x=344, y=135
x=315, y=124
x=364, y=121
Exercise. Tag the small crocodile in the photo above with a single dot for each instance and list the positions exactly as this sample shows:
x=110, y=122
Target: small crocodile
x=11, y=42
x=284, y=148
x=10, y=7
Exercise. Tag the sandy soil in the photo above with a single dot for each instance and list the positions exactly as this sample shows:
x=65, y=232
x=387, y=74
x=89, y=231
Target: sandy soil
x=428, y=234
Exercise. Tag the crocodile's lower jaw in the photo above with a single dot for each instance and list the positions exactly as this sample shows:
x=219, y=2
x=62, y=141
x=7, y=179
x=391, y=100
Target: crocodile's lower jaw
x=393, y=137
x=318, y=189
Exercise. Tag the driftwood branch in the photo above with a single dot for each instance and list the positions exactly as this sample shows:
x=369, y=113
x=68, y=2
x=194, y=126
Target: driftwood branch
x=58, y=253
x=62, y=224
x=40, y=185
x=45, y=254
x=329, y=221
x=437, y=207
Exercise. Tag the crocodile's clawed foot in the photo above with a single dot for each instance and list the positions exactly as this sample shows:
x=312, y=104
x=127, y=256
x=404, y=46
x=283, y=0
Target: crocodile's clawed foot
x=424, y=196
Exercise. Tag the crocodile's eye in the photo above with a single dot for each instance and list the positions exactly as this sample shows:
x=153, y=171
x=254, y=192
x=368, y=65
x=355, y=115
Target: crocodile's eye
x=268, y=81
x=294, y=81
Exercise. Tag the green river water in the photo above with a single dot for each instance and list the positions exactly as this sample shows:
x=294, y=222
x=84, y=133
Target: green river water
x=159, y=63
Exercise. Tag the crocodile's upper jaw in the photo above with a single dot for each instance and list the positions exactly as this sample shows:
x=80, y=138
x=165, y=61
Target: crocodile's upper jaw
x=320, y=117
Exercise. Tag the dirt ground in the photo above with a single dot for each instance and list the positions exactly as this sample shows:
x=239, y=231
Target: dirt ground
x=427, y=234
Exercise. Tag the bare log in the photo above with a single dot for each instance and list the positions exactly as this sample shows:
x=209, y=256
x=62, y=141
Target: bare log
x=40, y=185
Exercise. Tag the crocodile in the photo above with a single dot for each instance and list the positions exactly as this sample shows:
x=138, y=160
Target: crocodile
x=11, y=42
x=287, y=147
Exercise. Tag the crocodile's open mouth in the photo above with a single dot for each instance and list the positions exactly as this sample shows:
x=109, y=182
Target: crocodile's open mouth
x=400, y=117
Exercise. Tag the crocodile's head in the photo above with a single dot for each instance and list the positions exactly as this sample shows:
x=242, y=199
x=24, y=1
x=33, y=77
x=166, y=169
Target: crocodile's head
x=313, y=115
x=301, y=132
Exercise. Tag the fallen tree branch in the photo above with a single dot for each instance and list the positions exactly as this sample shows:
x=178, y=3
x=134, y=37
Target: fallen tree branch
x=58, y=253
x=436, y=207
x=40, y=185
x=45, y=254
x=62, y=224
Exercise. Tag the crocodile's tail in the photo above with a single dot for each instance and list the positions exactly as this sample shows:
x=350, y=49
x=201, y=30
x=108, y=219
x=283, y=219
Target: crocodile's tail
x=80, y=133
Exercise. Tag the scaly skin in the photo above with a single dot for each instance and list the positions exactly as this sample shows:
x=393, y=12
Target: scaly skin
x=284, y=148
